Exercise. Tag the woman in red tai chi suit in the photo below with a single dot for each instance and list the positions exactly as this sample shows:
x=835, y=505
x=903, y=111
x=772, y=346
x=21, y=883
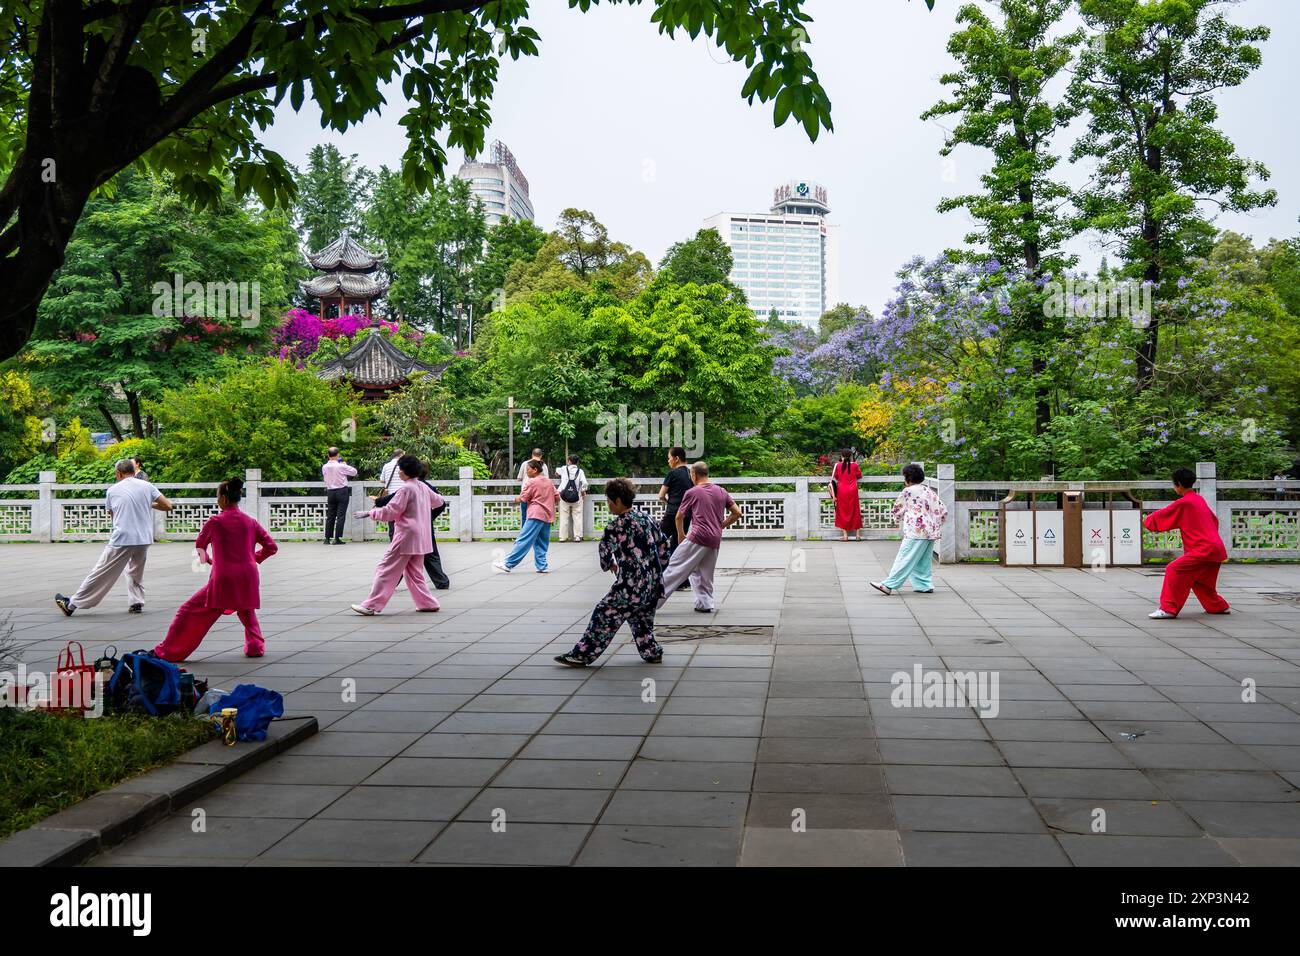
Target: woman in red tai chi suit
x=1198, y=568
x=232, y=587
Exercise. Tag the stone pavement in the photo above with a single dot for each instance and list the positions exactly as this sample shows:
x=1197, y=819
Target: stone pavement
x=461, y=718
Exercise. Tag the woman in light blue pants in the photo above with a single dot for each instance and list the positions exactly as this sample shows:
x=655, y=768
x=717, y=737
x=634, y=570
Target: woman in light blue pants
x=912, y=563
x=920, y=514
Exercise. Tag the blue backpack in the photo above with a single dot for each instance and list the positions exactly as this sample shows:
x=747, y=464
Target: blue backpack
x=146, y=684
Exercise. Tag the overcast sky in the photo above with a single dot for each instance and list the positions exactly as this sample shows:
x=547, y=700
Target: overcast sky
x=651, y=134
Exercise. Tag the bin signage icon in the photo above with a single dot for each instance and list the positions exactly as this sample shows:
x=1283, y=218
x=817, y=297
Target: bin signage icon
x=1020, y=537
x=1126, y=537
x=1051, y=529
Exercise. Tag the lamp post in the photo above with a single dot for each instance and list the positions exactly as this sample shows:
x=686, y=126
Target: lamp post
x=511, y=411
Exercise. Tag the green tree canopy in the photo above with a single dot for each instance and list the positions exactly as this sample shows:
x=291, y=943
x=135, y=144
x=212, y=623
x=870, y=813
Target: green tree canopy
x=190, y=89
x=111, y=333
x=705, y=259
x=268, y=415
x=332, y=192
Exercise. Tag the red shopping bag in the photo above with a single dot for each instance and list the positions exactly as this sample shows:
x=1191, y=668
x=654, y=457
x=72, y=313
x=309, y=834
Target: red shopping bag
x=72, y=686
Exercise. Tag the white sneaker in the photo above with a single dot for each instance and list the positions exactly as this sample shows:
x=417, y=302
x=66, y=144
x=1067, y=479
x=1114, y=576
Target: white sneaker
x=500, y=568
x=881, y=588
x=543, y=570
x=1159, y=615
x=363, y=610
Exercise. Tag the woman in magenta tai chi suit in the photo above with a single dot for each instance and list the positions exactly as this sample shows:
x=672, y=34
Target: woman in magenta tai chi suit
x=408, y=510
x=232, y=587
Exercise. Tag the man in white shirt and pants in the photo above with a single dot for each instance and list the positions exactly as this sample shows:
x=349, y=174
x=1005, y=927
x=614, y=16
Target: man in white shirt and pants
x=130, y=505
x=572, y=479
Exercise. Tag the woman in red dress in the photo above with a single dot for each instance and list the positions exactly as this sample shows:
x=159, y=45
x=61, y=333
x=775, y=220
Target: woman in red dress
x=232, y=586
x=844, y=489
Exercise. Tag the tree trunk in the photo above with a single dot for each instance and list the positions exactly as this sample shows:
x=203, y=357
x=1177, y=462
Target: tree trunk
x=137, y=423
x=112, y=422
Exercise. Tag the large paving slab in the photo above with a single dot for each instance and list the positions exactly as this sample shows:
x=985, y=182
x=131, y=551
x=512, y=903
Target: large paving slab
x=454, y=738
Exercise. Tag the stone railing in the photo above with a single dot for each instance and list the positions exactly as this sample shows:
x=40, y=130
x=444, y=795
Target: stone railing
x=1256, y=523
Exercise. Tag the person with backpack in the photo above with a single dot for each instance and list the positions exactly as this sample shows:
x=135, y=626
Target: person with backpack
x=573, y=490
x=920, y=514
x=636, y=550
x=844, y=492
x=239, y=544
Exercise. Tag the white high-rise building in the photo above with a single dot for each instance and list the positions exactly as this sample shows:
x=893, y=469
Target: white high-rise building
x=786, y=259
x=500, y=183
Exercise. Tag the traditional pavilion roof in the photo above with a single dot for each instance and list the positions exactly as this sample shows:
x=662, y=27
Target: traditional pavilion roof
x=375, y=361
x=345, y=253
x=353, y=285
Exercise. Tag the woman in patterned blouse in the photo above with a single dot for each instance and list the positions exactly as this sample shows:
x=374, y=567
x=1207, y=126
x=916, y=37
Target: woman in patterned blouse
x=920, y=515
x=636, y=550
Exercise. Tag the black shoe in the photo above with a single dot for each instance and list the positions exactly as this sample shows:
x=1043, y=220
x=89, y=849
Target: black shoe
x=65, y=604
x=704, y=610
x=570, y=661
x=135, y=609
x=327, y=541
x=657, y=659
x=684, y=586
x=339, y=541
x=442, y=587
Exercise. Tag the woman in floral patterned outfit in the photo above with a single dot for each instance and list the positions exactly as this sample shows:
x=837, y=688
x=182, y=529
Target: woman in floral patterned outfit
x=920, y=515
x=636, y=550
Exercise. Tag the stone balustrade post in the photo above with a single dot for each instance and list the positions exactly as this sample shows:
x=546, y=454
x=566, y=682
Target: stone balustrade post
x=465, y=504
x=43, y=515
x=946, y=475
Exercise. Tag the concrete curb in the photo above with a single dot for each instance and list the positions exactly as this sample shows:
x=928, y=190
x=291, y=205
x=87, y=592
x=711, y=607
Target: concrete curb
x=106, y=819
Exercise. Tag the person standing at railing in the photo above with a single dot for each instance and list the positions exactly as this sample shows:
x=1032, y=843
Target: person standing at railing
x=336, y=473
x=573, y=491
x=844, y=492
x=239, y=544
x=408, y=513
x=1197, y=569
x=129, y=505
x=522, y=478
x=920, y=515
x=704, y=505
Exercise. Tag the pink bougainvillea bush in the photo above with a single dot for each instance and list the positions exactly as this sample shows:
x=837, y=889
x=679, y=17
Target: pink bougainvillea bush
x=300, y=334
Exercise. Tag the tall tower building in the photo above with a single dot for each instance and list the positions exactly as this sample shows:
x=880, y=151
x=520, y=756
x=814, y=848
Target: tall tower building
x=786, y=259
x=500, y=183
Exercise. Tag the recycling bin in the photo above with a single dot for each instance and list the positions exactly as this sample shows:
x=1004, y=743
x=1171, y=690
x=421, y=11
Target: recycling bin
x=1054, y=525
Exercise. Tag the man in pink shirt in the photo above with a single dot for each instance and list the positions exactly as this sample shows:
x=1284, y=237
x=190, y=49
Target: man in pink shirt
x=538, y=497
x=703, y=505
x=408, y=512
x=336, y=472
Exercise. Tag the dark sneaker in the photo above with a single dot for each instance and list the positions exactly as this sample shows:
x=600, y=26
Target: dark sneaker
x=704, y=610
x=328, y=541
x=684, y=586
x=65, y=604
x=570, y=661
x=657, y=659
x=339, y=541
x=135, y=609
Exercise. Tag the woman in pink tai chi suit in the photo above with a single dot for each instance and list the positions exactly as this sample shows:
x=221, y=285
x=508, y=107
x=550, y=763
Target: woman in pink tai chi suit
x=408, y=510
x=233, y=586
